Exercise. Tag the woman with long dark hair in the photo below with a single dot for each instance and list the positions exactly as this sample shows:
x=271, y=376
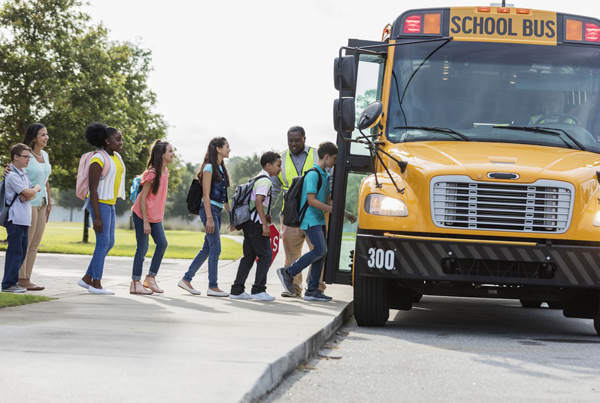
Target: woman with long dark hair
x=102, y=198
x=215, y=180
x=148, y=212
x=38, y=170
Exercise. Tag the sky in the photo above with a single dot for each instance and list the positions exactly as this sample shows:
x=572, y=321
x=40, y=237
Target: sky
x=249, y=70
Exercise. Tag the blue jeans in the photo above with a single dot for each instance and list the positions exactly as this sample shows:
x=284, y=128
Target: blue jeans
x=105, y=240
x=158, y=235
x=211, y=249
x=317, y=236
x=18, y=238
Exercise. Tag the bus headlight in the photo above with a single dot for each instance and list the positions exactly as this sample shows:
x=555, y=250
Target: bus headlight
x=597, y=219
x=382, y=205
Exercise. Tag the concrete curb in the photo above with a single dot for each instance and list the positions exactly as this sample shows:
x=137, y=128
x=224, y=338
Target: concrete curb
x=288, y=363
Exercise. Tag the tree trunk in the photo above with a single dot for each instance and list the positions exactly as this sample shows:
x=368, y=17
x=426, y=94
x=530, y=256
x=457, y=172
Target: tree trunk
x=86, y=219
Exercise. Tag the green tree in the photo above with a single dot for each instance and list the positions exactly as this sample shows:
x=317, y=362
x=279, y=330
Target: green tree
x=60, y=69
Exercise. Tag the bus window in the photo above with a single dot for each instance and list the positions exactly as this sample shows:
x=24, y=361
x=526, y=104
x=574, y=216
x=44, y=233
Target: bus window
x=349, y=230
x=368, y=89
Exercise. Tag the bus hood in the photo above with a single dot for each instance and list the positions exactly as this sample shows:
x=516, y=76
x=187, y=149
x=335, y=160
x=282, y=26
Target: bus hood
x=478, y=159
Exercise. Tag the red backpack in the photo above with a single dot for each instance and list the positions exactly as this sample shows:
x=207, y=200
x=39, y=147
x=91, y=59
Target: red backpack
x=83, y=172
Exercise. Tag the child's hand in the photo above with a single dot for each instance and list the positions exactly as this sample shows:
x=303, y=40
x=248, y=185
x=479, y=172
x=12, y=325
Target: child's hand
x=350, y=217
x=266, y=230
x=268, y=217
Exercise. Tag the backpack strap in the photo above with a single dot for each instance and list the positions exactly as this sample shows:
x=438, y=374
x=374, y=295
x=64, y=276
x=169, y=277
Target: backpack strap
x=319, y=184
x=253, y=180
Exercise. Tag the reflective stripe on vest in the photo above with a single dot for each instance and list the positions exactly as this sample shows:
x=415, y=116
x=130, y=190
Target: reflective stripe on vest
x=288, y=169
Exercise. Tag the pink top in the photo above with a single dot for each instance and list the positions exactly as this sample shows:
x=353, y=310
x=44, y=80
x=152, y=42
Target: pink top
x=155, y=203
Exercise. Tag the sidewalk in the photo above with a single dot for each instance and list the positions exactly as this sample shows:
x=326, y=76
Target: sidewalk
x=169, y=347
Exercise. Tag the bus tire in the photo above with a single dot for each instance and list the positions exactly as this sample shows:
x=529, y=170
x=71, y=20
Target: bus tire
x=370, y=301
x=526, y=303
x=417, y=297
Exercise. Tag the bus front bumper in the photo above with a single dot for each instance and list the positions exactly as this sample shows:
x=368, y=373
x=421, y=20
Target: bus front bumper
x=470, y=261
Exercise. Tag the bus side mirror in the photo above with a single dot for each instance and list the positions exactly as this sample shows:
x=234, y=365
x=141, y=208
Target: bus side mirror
x=344, y=69
x=370, y=116
x=343, y=114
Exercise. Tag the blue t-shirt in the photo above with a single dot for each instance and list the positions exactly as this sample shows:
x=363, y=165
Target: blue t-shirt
x=313, y=215
x=208, y=168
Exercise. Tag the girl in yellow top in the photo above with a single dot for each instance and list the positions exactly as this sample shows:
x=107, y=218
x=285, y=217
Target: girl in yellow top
x=102, y=198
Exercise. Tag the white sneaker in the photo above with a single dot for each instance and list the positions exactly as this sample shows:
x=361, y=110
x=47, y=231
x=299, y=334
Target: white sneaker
x=82, y=283
x=100, y=291
x=212, y=293
x=191, y=290
x=263, y=296
x=243, y=295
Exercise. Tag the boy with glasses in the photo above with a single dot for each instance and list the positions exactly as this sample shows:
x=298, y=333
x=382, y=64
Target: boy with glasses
x=19, y=192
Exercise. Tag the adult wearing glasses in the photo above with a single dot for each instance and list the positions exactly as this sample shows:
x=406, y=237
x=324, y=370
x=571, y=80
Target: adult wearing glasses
x=38, y=170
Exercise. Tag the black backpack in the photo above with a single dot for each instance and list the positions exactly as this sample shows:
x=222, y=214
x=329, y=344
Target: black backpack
x=293, y=213
x=194, y=197
x=240, y=208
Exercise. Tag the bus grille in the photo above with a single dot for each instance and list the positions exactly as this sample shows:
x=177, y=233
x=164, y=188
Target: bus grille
x=544, y=206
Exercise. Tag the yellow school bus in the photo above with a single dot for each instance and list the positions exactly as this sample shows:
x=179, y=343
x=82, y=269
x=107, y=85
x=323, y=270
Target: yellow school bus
x=469, y=148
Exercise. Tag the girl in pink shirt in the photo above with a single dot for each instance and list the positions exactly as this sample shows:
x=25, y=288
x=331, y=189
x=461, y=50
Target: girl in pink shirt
x=148, y=211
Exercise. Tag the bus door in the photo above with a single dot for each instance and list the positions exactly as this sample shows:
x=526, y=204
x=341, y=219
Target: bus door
x=353, y=164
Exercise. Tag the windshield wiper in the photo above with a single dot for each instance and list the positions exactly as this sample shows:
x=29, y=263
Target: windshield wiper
x=546, y=130
x=436, y=129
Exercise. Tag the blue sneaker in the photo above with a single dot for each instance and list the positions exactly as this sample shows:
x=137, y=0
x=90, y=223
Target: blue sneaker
x=316, y=295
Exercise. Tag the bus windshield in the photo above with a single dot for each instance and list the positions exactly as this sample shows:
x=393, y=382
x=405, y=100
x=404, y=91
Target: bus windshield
x=496, y=92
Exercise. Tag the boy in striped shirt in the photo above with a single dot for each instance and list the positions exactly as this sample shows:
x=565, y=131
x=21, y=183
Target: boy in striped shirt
x=257, y=242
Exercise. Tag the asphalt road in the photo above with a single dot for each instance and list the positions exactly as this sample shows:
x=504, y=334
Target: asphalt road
x=455, y=350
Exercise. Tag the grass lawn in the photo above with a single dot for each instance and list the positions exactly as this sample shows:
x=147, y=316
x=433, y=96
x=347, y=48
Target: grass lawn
x=65, y=237
x=9, y=299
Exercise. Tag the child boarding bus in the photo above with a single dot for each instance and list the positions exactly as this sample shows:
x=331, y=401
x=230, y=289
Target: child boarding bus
x=469, y=149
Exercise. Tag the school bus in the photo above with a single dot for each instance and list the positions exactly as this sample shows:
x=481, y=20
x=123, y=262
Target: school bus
x=469, y=149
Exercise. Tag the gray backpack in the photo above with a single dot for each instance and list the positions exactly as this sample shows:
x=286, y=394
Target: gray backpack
x=3, y=206
x=240, y=203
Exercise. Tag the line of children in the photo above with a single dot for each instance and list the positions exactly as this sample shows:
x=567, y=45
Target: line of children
x=148, y=213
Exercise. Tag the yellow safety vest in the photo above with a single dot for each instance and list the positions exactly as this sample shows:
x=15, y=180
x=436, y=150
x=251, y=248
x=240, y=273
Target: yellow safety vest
x=288, y=169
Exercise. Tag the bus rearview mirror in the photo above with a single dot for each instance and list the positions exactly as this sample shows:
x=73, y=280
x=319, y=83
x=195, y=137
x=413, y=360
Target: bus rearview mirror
x=370, y=116
x=344, y=73
x=343, y=114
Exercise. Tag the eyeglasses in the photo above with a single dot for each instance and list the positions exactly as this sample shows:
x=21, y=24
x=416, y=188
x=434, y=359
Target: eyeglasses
x=25, y=156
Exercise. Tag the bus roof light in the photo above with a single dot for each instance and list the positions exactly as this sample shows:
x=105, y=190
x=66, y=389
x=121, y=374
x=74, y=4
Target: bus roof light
x=592, y=32
x=484, y=9
x=412, y=24
x=432, y=23
x=503, y=10
x=574, y=30
x=523, y=11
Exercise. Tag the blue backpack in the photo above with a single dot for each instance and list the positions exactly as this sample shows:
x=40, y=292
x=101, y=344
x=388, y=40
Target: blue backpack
x=136, y=186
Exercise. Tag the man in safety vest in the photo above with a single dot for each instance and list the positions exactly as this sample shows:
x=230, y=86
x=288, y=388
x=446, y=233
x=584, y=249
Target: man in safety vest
x=295, y=161
x=553, y=103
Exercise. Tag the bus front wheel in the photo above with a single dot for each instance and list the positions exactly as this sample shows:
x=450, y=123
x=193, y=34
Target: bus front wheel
x=370, y=301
